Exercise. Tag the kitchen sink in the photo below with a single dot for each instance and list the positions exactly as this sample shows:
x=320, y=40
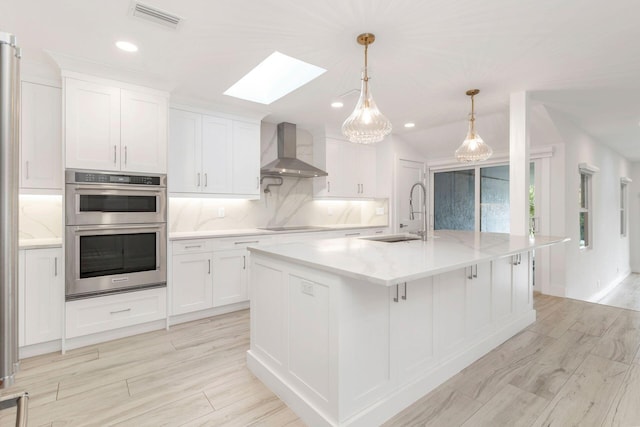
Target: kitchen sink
x=392, y=239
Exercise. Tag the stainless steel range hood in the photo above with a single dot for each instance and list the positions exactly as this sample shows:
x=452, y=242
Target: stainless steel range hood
x=286, y=164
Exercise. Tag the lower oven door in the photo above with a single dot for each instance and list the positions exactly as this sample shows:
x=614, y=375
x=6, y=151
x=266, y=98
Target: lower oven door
x=103, y=259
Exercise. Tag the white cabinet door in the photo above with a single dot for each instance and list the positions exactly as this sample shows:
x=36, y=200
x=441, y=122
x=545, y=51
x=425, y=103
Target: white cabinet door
x=350, y=155
x=143, y=146
x=185, y=151
x=521, y=283
x=451, y=310
x=21, y=295
x=501, y=289
x=44, y=295
x=478, y=295
x=335, y=168
x=246, y=158
x=41, y=137
x=217, y=155
x=191, y=286
x=367, y=158
x=229, y=277
x=92, y=125
x=412, y=320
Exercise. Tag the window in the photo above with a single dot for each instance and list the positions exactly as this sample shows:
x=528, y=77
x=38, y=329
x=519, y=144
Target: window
x=494, y=199
x=585, y=210
x=585, y=204
x=623, y=206
x=454, y=200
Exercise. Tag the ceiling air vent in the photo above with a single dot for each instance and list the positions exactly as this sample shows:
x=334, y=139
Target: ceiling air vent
x=146, y=12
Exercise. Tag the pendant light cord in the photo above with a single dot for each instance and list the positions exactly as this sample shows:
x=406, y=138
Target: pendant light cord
x=366, y=73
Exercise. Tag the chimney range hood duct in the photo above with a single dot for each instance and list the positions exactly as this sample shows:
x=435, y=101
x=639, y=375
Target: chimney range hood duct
x=286, y=164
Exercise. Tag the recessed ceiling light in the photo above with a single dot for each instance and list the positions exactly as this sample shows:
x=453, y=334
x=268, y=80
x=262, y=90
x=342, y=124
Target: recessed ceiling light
x=126, y=46
x=273, y=78
x=409, y=125
x=337, y=104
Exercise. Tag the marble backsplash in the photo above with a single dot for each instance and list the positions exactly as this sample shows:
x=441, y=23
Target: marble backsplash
x=288, y=205
x=40, y=216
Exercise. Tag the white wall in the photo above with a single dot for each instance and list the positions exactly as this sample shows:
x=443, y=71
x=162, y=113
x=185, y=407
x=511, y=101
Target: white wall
x=634, y=213
x=589, y=272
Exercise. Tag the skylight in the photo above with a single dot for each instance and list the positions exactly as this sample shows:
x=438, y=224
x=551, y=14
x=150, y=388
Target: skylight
x=274, y=78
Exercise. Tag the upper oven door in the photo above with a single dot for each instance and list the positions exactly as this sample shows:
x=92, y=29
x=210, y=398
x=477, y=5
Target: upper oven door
x=112, y=204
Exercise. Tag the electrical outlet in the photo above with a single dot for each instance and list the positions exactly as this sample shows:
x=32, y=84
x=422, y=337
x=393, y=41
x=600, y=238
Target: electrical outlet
x=597, y=284
x=329, y=211
x=379, y=211
x=220, y=212
x=307, y=288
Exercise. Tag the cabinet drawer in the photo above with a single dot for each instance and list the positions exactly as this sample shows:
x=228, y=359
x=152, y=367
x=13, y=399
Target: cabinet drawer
x=92, y=315
x=191, y=246
x=227, y=243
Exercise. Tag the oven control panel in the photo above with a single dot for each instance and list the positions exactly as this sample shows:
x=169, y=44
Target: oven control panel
x=106, y=178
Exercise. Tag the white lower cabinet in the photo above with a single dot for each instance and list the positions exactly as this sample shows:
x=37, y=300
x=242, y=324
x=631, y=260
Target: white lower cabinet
x=230, y=277
x=42, y=295
x=192, y=285
x=412, y=347
x=100, y=314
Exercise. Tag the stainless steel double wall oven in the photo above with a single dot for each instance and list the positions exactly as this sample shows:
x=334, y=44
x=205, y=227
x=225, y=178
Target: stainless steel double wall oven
x=116, y=232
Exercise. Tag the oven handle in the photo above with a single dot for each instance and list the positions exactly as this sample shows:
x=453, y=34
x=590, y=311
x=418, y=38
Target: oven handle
x=99, y=188
x=116, y=227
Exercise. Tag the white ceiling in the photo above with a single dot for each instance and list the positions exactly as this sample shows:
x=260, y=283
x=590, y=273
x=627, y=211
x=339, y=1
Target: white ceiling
x=579, y=56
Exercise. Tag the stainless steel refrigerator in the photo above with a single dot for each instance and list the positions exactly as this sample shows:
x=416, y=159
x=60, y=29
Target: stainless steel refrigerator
x=9, y=136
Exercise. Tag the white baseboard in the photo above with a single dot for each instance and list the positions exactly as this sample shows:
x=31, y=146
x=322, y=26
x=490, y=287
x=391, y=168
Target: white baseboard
x=38, y=349
x=77, y=342
x=203, y=314
x=392, y=403
x=603, y=292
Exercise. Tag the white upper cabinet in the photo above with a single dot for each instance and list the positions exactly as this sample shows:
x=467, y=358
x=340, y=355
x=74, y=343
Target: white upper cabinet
x=213, y=155
x=110, y=128
x=351, y=168
x=246, y=158
x=185, y=150
x=217, y=155
x=92, y=125
x=41, y=137
x=143, y=132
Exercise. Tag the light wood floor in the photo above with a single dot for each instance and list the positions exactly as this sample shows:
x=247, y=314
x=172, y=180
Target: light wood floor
x=626, y=294
x=578, y=364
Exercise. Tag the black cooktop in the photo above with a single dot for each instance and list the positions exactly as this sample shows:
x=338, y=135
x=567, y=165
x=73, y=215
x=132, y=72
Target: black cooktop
x=293, y=228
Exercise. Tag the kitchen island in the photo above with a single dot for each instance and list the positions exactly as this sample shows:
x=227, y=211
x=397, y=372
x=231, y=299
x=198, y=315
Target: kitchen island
x=351, y=331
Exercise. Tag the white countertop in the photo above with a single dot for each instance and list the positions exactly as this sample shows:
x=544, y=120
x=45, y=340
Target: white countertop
x=53, y=242
x=390, y=263
x=182, y=235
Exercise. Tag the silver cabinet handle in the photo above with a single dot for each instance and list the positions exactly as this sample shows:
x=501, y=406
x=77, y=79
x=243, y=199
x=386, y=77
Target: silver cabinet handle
x=55, y=266
x=470, y=276
x=206, y=181
x=246, y=242
x=379, y=232
x=114, y=154
x=209, y=262
x=192, y=246
x=396, y=298
x=125, y=155
x=27, y=168
x=404, y=297
x=120, y=311
x=198, y=177
x=328, y=186
x=244, y=262
x=351, y=234
x=475, y=275
x=404, y=225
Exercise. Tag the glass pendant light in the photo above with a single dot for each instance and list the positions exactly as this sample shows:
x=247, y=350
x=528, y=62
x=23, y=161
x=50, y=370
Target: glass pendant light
x=366, y=124
x=473, y=149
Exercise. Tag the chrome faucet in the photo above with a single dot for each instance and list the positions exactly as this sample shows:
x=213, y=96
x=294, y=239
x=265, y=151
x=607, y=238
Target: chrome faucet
x=422, y=233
